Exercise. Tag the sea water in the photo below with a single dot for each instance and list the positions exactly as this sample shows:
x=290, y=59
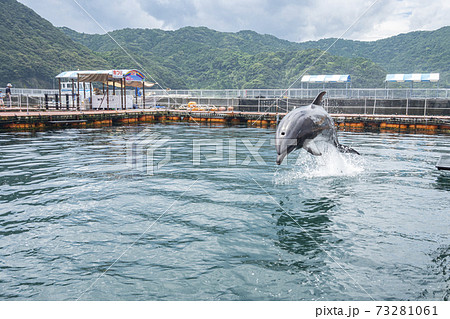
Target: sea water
x=182, y=212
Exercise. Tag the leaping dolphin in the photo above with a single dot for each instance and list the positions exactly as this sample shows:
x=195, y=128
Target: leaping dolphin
x=300, y=127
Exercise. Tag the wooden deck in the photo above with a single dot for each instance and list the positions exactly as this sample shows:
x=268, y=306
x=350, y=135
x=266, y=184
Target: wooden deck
x=59, y=119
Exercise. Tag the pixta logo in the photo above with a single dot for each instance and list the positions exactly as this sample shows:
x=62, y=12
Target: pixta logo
x=149, y=152
x=144, y=152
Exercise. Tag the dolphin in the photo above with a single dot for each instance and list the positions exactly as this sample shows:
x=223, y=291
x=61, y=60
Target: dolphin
x=300, y=128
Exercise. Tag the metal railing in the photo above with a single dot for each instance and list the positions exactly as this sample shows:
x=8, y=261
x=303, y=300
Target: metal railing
x=381, y=93
x=424, y=106
x=33, y=92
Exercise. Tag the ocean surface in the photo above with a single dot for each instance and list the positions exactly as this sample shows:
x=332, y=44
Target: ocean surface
x=181, y=212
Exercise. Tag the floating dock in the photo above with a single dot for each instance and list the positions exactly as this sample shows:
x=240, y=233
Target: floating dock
x=10, y=121
x=444, y=163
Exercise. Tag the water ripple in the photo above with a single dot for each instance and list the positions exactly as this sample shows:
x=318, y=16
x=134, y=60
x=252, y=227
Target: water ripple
x=70, y=206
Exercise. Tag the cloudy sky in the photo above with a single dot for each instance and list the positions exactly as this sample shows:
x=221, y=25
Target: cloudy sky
x=294, y=20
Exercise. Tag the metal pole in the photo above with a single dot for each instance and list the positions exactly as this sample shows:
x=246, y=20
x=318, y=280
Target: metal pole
x=90, y=93
x=143, y=93
x=107, y=95
x=78, y=91
x=124, y=94
x=73, y=93
x=121, y=92
x=136, y=96
x=374, y=103
x=60, y=93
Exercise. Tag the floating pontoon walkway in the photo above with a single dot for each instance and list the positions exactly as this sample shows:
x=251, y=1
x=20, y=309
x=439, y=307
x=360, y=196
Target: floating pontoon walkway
x=10, y=121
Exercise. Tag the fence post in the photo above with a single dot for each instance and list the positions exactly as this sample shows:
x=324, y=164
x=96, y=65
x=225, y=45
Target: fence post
x=374, y=103
x=425, y=108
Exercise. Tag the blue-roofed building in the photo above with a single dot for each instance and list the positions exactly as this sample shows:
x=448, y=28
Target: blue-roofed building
x=327, y=79
x=332, y=78
x=414, y=77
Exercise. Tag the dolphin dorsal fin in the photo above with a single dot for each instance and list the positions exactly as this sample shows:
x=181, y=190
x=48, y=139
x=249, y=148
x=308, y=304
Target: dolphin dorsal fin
x=318, y=99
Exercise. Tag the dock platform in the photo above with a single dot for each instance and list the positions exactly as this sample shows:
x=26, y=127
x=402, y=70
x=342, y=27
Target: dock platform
x=444, y=163
x=10, y=121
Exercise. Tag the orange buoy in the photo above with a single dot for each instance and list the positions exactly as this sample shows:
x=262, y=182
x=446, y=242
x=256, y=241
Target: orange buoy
x=254, y=122
x=218, y=120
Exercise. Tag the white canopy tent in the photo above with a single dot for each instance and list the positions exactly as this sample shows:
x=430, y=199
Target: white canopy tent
x=326, y=78
x=334, y=78
x=414, y=77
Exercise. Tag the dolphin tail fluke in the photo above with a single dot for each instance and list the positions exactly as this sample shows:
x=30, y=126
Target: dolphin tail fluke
x=318, y=99
x=346, y=149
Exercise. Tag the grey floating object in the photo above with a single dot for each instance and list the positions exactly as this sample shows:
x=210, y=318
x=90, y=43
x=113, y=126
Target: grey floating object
x=444, y=163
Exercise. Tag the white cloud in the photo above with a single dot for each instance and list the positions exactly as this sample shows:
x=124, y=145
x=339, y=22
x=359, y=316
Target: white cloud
x=295, y=20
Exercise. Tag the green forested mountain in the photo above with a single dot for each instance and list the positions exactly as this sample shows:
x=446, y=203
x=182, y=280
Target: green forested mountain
x=33, y=51
x=413, y=52
x=203, y=58
x=190, y=49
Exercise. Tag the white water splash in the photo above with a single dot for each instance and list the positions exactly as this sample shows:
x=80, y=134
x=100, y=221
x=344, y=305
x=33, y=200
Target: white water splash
x=330, y=164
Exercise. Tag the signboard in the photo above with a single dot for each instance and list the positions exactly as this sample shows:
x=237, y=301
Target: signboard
x=134, y=75
x=117, y=74
x=99, y=102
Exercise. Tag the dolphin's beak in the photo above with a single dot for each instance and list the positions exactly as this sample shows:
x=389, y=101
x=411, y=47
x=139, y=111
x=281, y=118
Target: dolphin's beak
x=280, y=158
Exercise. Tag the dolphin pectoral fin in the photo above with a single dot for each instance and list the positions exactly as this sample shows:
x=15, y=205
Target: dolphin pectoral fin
x=346, y=149
x=311, y=148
